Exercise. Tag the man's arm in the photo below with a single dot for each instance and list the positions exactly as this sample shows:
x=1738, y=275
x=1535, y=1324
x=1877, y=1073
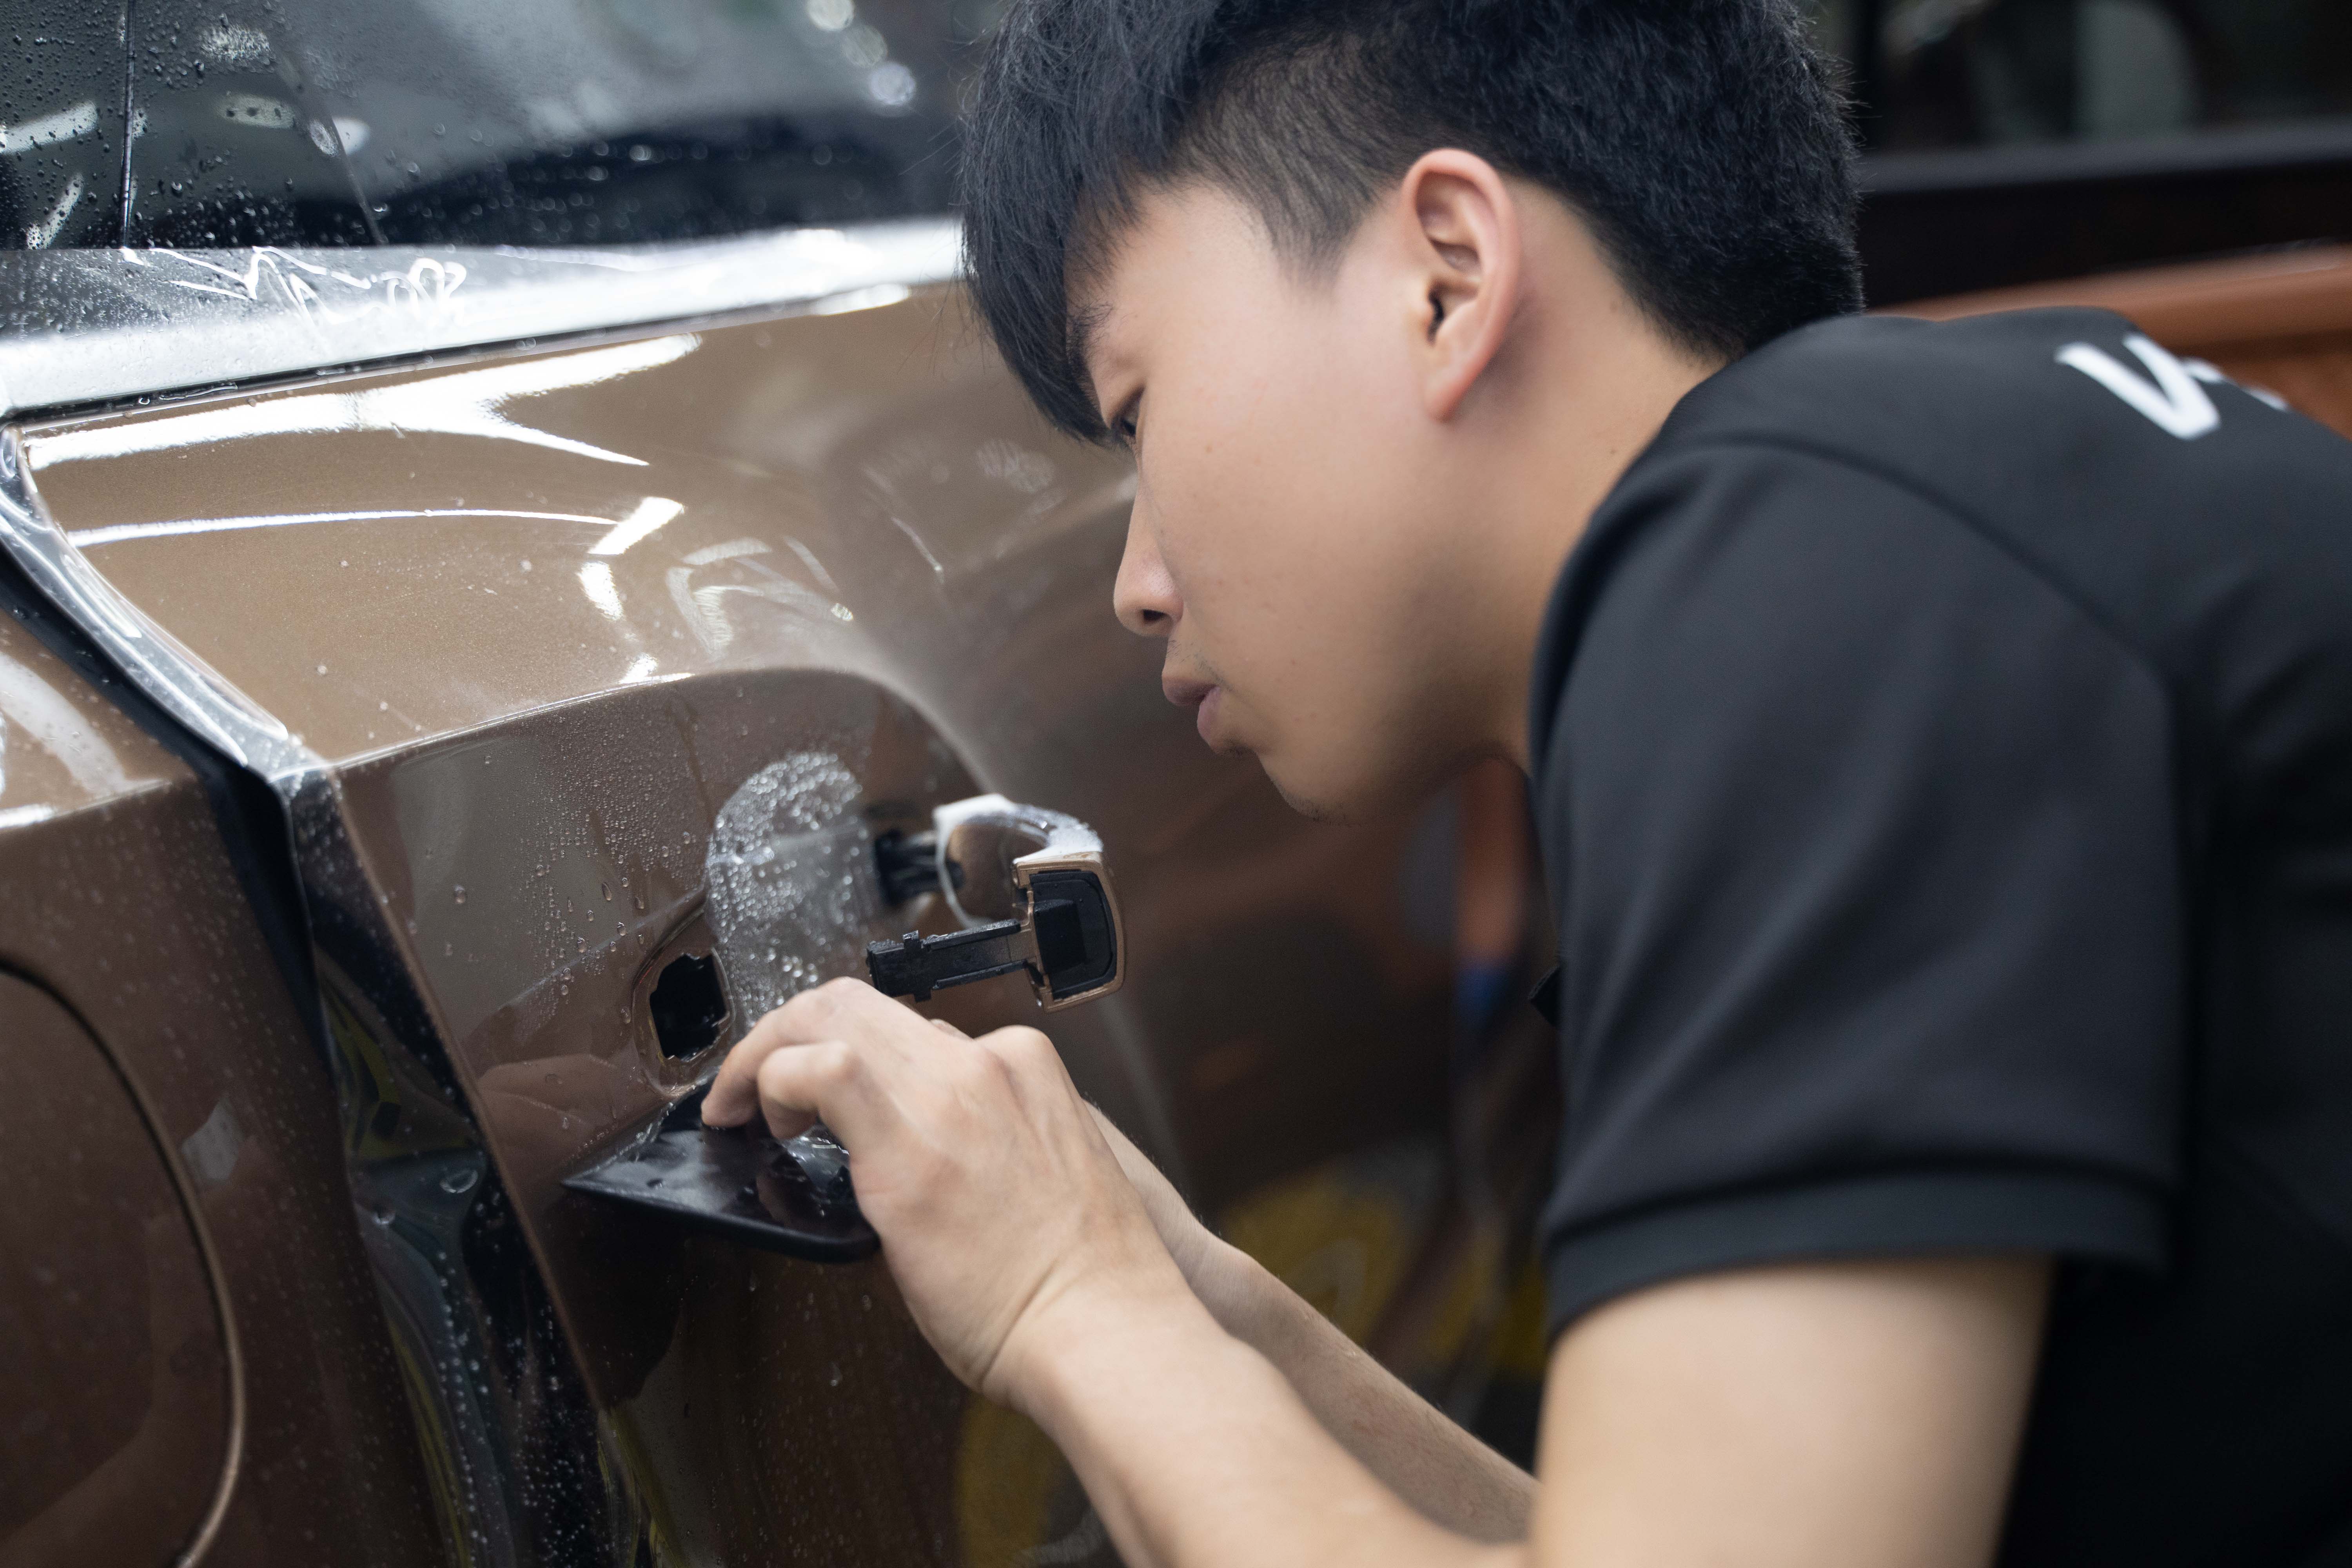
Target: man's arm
x=1816, y=1415
x=1824, y=1415
x=1410, y=1446
x=1687, y=1350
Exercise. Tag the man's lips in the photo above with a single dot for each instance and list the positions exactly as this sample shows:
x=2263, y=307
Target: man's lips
x=1186, y=693
x=1199, y=695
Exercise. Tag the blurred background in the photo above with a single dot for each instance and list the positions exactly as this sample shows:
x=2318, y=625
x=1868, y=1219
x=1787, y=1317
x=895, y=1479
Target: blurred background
x=2018, y=141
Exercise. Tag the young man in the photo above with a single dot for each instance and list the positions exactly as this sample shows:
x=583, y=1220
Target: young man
x=1941, y=740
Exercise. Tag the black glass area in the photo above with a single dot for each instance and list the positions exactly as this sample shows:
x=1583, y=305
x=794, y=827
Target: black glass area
x=61, y=121
x=538, y=122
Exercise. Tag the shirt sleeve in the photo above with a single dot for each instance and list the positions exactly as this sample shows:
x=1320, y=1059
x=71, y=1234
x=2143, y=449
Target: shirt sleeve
x=1864, y=843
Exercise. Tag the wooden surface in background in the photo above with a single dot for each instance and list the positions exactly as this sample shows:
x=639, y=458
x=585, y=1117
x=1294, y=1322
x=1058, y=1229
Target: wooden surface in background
x=2282, y=321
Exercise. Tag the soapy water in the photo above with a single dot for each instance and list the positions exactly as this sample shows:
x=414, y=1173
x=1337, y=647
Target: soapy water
x=793, y=894
x=794, y=898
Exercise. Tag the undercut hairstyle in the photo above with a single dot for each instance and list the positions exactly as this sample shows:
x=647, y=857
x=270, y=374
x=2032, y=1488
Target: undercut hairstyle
x=1704, y=143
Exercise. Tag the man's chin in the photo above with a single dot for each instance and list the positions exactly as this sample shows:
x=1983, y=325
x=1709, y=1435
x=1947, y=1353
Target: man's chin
x=1313, y=804
x=1349, y=800
x=1315, y=810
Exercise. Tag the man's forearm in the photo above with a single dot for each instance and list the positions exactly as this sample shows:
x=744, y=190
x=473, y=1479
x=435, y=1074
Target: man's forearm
x=1409, y=1446
x=1194, y=1449
x=1435, y=1466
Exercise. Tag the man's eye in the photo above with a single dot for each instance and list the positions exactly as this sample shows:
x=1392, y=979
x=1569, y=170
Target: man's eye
x=1122, y=425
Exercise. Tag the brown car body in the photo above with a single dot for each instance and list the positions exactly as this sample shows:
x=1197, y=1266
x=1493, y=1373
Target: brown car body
x=509, y=737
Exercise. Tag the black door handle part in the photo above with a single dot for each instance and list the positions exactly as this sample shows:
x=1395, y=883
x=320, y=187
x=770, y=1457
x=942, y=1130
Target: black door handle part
x=916, y=966
x=738, y=1182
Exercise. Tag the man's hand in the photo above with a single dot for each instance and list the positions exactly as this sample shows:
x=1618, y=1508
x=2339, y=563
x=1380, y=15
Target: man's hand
x=999, y=1204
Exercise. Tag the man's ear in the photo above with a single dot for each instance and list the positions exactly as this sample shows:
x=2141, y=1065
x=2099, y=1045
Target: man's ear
x=1461, y=226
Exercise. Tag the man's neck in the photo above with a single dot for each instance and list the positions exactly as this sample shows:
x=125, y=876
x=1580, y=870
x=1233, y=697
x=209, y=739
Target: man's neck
x=1592, y=414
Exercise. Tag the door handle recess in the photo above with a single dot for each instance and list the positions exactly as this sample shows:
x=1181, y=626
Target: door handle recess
x=1035, y=896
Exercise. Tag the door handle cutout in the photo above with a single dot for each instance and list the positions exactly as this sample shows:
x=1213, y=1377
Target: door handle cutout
x=689, y=1006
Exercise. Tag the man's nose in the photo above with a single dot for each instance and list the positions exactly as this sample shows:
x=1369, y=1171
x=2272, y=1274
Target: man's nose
x=1145, y=596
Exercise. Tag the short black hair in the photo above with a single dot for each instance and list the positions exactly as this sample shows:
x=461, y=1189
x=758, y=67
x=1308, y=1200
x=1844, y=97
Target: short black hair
x=1704, y=143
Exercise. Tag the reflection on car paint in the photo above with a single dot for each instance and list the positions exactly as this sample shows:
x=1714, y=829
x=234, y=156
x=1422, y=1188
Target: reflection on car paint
x=111, y=1456
x=469, y=403
x=33, y=712
x=405, y=1115
x=123, y=532
x=91, y=326
x=596, y=582
x=708, y=608
x=644, y=521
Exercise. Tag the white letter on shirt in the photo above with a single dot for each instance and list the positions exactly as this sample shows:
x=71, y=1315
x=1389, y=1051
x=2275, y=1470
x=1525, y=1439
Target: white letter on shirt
x=2175, y=404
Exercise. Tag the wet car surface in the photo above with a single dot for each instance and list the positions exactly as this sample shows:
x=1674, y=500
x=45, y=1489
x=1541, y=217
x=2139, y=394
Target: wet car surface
x=446, y=673
x=504, y=637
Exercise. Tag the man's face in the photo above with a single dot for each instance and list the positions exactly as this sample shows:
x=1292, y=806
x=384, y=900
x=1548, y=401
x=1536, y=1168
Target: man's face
x=1299, y=529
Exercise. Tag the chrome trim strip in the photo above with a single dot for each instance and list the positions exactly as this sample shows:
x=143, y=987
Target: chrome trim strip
x=95, y=326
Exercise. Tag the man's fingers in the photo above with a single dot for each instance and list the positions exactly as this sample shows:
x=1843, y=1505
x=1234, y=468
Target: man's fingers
x=734, y=1093
x=797, y=1084
x=839, y=1009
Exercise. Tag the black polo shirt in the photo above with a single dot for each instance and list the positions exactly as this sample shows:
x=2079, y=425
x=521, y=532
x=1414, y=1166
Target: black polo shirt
x=1942, y=742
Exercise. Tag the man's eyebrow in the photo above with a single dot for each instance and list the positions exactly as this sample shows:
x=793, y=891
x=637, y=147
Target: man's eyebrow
x=1085, y=328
